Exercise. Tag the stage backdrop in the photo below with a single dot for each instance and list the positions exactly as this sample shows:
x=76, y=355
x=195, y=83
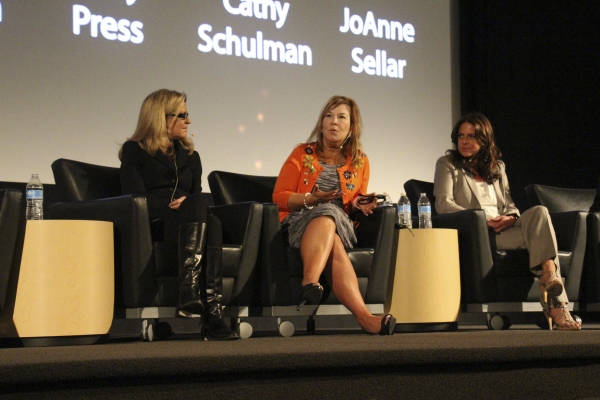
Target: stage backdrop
x=257, y=72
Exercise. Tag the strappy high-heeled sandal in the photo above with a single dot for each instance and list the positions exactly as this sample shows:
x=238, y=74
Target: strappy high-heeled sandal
x=310, y=294
x=553, y=285
x=564, y=321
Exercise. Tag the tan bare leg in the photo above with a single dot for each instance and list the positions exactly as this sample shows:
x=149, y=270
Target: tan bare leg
x=345, y=286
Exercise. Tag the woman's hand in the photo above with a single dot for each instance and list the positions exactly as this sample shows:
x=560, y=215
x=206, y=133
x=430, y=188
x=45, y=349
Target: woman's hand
x=324, y=197
x=174, y=205
x=309, y=200
x=366, y=209
x=501, y=223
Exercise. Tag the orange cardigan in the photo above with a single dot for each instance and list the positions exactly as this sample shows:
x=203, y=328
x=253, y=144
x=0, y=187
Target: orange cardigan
x=301, y=170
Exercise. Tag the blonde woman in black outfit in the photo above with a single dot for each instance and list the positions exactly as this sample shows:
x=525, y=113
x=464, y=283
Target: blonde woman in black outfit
x=159, y=161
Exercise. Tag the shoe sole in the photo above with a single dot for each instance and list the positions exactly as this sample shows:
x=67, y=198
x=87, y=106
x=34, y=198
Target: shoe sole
x=555, y=290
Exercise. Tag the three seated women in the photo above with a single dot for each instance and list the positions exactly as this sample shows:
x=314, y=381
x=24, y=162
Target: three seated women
x=320, y=184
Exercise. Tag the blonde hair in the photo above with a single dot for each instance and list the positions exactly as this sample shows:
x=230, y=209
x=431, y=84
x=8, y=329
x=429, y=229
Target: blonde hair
x=152, y=132
x=352, y=145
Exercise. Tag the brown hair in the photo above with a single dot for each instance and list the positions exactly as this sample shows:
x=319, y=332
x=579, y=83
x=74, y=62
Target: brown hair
x=486, y=161
x=352, y=145
x=153, y=131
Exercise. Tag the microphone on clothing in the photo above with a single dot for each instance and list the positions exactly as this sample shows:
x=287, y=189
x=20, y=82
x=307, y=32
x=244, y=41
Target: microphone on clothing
x=345, y=140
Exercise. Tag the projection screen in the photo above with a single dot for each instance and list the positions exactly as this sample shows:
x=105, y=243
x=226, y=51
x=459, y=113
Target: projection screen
x=257, y=73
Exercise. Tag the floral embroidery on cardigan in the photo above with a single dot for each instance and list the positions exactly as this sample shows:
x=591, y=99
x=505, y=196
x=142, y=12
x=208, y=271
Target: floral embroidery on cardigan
x=360, y=162
x=308, y=162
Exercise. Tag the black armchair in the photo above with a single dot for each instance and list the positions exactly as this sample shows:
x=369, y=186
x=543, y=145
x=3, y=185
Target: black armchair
x=280, y=266
x=499, y=281
x=12, y=226
x=146, y=267
x=562, y=202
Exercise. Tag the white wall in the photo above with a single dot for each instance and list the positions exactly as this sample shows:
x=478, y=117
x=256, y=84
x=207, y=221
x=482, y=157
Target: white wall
x=68, y=95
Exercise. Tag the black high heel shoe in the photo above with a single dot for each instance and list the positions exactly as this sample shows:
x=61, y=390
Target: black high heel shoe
x=310, y=294
x=388, y=323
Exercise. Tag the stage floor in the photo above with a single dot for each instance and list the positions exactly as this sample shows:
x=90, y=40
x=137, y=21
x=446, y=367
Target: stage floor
x=522, y=362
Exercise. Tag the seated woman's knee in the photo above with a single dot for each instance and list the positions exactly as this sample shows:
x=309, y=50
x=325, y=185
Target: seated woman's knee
x=539, y=211
x=324, y=221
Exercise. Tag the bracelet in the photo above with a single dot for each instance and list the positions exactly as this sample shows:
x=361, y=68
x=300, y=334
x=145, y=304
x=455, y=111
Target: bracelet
x=304, y=201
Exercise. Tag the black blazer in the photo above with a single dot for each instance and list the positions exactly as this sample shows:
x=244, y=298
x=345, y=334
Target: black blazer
x=157, y=178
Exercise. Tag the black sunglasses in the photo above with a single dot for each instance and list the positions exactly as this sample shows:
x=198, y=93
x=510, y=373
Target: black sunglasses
x=182, y=115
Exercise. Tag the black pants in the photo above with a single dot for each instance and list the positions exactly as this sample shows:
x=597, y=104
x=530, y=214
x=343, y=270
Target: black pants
x=193, y=209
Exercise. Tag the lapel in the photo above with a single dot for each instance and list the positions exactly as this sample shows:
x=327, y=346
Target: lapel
x=472, y=184
x=181, y=156
x=499, y=195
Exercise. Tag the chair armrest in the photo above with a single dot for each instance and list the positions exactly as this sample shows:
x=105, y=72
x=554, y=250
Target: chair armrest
x=11, y=236
x=571, y=235
x=376, y=231
x=371, y=227
x=275, y=283
x=135, y=273
x=236, y=220
x=475, y=253
x=591, y=283
x=242, y=224
x=570, y=227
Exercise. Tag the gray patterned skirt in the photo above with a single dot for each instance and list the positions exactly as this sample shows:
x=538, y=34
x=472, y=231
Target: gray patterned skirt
x=299, y=220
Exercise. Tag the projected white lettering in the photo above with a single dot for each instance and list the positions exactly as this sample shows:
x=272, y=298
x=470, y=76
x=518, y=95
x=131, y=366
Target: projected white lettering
x=123, y=30
x=260, y=9
x=382, y=29
x=262, y=49
x=379, y=65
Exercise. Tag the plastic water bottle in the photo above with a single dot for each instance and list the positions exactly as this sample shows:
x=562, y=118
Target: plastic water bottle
x=424, y=212
x=34, y=193
x=404, y=211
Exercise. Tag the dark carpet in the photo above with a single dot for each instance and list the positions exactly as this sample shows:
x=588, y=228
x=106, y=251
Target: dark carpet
x=520, y=363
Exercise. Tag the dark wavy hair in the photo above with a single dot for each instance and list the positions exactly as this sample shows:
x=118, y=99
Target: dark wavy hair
x=486, y=161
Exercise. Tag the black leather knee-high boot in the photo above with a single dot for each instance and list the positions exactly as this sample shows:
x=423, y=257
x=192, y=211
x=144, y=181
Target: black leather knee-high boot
x=191, y=242
x=214, y=328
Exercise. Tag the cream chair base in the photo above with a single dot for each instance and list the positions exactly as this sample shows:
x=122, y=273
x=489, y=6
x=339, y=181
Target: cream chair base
x=63, y=290
x=424, y=284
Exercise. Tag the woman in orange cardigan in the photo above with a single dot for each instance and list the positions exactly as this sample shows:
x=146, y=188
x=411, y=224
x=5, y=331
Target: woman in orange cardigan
x=319, y=185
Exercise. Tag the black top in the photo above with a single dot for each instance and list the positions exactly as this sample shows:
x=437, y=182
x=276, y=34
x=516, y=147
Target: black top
x=156, y=176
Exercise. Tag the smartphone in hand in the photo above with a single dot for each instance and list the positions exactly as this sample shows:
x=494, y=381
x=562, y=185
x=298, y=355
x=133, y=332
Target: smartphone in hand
x=369, y=199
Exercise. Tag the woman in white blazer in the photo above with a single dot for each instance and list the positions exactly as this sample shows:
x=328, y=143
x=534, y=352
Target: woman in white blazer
x=472, y=176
